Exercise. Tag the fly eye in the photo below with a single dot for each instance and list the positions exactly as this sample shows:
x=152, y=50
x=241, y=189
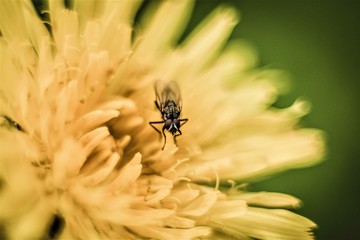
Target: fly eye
x=168, y=123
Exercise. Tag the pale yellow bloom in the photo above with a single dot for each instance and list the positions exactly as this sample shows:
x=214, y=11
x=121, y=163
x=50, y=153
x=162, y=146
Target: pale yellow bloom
x=83, y=95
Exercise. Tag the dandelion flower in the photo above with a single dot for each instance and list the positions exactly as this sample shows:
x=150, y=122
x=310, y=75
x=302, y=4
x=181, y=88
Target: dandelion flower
x=79, y=159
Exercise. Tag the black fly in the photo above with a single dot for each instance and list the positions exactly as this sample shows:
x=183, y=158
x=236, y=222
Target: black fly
x=168, y=101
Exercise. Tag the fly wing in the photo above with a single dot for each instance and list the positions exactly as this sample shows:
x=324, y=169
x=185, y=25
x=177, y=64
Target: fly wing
x=171, y=92
x=159, y=89
x=167, y=92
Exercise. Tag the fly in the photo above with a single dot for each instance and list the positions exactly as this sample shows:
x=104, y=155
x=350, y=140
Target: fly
x=168, y=102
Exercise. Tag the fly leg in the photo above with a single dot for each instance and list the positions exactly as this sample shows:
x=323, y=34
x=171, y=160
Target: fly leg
x=163, y=129
x=176, y=135
x=184, y=120
x=157, y=130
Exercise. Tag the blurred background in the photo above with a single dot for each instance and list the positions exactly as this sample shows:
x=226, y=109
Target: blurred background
x=317, y=42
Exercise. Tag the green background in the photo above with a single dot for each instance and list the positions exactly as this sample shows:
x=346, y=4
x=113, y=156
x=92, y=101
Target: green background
x=317, y=42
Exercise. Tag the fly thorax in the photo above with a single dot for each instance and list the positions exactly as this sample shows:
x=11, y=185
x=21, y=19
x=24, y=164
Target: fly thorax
x=170, y=111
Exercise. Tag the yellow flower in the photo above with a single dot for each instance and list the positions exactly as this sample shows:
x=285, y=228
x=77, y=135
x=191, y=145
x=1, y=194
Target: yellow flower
x=79, y=159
